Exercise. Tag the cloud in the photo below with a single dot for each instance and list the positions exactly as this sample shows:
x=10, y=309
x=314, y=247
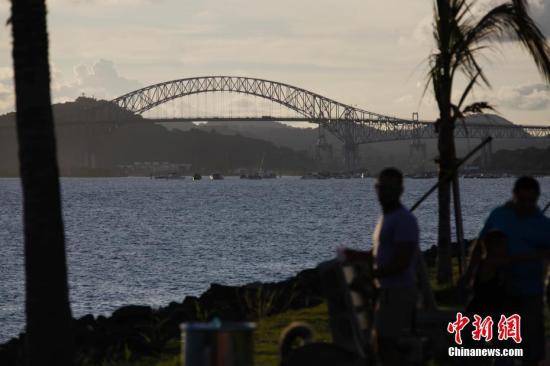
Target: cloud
x=421, y=34
x=6, y=74
x=541, y=13
x=539, y=9
x=350, y=53
x=6, y=90
x=527, y=97
x=101, y=80
x=406, y=99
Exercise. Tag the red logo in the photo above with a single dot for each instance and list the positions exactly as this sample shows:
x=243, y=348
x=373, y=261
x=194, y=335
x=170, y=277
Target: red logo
x=508, y=328
x=483, y=328
x=457, y=326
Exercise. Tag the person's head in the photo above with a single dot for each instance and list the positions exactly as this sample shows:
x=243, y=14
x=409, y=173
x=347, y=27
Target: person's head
x=495, y=244
x=389, y=186
x=526, y=194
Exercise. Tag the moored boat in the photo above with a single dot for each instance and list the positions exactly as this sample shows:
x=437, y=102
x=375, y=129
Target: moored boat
x=216, y=176
x=260, y=173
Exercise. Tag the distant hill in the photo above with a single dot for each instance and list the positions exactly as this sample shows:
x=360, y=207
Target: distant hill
x=81, y=110
x=273, y=131
x=487, y=119
x=99, y=149
x=223, y=145
x=372, y=156
x=303, y=138
x=522, y=161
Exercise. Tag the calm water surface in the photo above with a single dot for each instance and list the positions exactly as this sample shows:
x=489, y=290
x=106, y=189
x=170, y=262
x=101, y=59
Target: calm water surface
x=142, y=241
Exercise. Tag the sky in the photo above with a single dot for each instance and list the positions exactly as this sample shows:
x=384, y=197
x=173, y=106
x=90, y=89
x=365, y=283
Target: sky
x=372, y=54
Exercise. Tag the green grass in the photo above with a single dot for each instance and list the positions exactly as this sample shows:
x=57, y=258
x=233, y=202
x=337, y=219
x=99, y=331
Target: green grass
x=266, y=338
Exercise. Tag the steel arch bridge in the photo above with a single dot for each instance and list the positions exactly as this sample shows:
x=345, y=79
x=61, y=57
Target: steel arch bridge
x=353, y=126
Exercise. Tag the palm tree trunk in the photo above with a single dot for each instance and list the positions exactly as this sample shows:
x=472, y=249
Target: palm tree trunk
x=48, y=339
x=446, y=146
x=447, y=157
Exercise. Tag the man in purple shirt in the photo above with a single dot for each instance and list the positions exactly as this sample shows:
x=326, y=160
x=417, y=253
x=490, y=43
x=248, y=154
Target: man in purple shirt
x=395, y=253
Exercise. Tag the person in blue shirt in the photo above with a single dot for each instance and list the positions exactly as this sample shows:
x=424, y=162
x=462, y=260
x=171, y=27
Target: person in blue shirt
x=527, y=233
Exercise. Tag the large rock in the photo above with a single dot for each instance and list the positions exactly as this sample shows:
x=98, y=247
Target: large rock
x=132, y=314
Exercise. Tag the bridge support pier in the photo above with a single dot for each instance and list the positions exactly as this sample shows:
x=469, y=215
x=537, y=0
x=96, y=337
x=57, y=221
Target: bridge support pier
x=351, y=150
x=323, y=149
x=486, y=156
x=417, y=156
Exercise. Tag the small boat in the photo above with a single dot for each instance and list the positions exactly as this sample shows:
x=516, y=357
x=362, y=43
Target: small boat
x=315, y=176
x=260, y=173
x=197, y=176
x=216, y=176
x=308, y=176
x=269, y=175
x=253, y=176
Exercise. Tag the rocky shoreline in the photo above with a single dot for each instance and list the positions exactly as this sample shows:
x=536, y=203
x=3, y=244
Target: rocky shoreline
x=145, y=331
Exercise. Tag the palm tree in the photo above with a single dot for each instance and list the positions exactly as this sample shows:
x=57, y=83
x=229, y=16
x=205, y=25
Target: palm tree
x=460, y=38
x=48, y=338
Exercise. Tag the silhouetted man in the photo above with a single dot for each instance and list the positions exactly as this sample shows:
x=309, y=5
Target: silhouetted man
x=395, y=253
x=528, y=241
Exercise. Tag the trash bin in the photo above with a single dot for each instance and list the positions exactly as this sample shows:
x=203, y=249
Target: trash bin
x=217, y=344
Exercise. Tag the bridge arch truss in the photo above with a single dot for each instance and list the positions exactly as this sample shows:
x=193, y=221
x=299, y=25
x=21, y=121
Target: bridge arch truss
x=346, y=122
x=353, y=126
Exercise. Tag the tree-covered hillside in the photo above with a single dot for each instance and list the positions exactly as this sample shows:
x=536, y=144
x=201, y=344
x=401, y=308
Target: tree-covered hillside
x=88, y=144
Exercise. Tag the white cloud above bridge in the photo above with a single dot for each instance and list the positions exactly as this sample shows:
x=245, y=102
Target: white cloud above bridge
x=100, y=80
x=361, y=52
x=525, y=97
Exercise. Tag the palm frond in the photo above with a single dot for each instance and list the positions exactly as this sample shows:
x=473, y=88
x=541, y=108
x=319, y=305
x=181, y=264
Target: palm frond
x=461, y=37
x=468, y=89
x=512, y=20
x=474, y=108
x=477, y=107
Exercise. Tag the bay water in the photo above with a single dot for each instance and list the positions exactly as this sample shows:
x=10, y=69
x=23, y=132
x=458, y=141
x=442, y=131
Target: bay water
x=150, y=242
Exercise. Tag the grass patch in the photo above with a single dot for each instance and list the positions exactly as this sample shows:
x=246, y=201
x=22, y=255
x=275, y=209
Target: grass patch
x=266, y=338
